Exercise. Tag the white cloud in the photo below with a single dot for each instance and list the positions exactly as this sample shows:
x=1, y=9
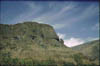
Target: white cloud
x=73, y=42
x=61, y=36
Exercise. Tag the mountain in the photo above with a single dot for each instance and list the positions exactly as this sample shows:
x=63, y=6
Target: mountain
x=89, y=49
x=35, y=44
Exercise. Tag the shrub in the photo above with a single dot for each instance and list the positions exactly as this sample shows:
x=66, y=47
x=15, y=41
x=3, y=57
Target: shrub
x=78, y=59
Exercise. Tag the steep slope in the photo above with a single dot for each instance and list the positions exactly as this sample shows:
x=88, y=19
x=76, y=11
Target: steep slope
x=90, y=49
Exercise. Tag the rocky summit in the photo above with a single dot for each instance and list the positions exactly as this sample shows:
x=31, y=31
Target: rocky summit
x=29, y=32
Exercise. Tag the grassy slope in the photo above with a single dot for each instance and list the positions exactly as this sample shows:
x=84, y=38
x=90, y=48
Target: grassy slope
x=89, y=49
x=17, y=43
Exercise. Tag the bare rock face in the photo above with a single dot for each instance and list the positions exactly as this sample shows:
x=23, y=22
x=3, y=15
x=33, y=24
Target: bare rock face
x=29, y=33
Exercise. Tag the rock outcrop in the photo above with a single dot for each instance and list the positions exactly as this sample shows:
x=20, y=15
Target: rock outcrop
x=29, y=33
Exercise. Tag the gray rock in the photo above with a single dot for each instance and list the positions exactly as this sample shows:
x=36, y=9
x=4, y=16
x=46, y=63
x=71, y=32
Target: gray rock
x=30, y=32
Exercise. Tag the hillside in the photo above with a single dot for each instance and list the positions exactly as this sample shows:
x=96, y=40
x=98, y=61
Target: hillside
x=89, y=49
x=35, y=44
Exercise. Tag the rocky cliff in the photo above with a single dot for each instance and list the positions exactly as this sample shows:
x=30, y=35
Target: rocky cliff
x=29, y=33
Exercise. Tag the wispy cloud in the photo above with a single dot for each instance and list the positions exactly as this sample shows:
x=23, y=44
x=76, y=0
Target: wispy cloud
x=54, y=14
x=87, y=13
x=59, y=17
x=28, y=15
x=63, y=16
x=84, y=15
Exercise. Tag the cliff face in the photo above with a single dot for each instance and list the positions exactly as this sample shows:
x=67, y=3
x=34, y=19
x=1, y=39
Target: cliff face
x=29, y=33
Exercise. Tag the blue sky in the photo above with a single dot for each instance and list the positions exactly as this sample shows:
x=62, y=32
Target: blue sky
x=74, y=22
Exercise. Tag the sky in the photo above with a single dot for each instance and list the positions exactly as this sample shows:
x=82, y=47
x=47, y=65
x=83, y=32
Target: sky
x=74, y=22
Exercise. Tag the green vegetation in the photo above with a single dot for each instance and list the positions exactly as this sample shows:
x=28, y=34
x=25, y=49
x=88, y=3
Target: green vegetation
x=90, y=49
x=33, y=44
x=78, y=59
